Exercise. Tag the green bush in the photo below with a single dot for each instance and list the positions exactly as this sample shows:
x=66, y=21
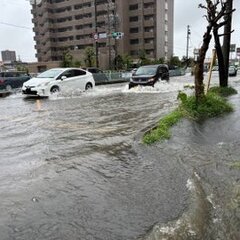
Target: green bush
x=211, y=105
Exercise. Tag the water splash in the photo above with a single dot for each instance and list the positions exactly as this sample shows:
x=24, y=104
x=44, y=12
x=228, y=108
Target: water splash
x=193, y=224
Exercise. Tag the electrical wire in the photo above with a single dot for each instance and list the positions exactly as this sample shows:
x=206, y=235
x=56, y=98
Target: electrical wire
x=13, y=25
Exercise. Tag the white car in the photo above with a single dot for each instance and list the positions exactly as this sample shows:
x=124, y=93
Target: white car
x=58, y=79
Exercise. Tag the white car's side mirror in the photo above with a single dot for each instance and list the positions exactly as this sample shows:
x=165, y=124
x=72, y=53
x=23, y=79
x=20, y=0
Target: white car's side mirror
x=63, y=77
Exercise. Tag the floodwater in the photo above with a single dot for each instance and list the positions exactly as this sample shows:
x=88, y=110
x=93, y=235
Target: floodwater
x=73, y=167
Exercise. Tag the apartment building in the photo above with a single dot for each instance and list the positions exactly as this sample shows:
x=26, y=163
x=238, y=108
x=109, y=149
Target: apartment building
x=8, y=56
x=74, y=25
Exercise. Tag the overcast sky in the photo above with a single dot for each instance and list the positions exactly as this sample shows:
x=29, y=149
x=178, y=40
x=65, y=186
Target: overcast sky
x=16, y=27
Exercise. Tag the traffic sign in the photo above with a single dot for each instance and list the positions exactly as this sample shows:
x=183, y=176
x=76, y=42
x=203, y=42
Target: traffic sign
x=117, y=35
x=95, y=36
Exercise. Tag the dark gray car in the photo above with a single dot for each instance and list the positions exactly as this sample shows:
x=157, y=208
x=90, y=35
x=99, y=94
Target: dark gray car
x=98, y=75
x=12, y=79
x=148, y=75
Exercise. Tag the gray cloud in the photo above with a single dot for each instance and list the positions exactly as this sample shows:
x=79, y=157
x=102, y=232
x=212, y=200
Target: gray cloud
x=188, y=13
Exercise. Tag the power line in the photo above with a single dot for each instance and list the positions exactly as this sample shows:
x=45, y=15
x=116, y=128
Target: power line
x=13, y=25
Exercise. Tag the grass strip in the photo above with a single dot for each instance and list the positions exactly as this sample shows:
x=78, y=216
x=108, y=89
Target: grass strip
x=212, y=105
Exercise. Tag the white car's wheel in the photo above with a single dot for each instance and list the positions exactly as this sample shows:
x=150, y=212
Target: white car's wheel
x=88, y=86
x=54, y=89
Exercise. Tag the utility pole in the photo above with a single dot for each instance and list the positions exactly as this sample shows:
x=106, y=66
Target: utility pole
x=188, y=37
x=96, y=32
x=109, y=34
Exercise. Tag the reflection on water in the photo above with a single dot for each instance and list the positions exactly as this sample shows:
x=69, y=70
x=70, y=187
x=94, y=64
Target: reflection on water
x=73, y=167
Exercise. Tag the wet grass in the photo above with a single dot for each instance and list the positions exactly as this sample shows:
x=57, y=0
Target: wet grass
x=223, y=91
x=162, y=130
x=212, y=105
x=235, y=165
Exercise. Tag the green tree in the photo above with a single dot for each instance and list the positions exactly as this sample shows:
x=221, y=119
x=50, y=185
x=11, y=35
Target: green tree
x=159, y=61
x=89, y=56
x=215, y=17
x=67, y=59
x=76, y=63
x=143, y=60
x=127, y=61
x=119, y=62
x=227, y=38
x=174, y=61
x=22, y=68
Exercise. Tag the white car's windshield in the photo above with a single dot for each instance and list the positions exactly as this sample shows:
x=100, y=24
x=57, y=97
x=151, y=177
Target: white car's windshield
x=52, y=73
x=146, y=71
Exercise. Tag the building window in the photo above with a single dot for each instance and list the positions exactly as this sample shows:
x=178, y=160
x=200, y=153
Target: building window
x=63, y=9
x=148, y=17
x=149, y=40
x=148, y=29
x=134, y=41
x=150, y=52
x=133, y=30
x=133, y=7
x=133, y=19
x=82, y=5
x=149, y=5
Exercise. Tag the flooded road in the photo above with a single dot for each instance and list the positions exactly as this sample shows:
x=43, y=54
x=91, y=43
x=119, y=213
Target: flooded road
x=73, y=167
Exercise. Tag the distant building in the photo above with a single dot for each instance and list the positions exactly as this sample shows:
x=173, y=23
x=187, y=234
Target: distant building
x=119, y=27
x=8, y=56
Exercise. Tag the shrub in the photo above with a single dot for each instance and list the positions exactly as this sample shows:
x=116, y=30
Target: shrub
x=210, y=106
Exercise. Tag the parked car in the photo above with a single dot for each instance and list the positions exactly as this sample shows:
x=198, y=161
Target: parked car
x=58, y=79
x=232, y=71
x=148, y=75
x=12, y=79
x=98, y=75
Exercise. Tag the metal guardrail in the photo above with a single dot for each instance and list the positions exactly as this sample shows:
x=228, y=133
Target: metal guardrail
x=109, y=77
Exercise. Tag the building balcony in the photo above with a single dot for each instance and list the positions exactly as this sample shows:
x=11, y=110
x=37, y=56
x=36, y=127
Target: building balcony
x=149, y=23
x=149, y=11
x=149, y=46
x=149, y=34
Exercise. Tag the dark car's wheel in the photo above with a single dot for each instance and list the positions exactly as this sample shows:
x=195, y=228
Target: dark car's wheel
x=54, y=89
x=165, y=77
x=88, y=86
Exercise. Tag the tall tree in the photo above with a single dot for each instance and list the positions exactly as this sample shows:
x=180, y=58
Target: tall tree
x=227, y=37
x=89, y=56
x=214, y=17
x=199, y=87
x=215, y=12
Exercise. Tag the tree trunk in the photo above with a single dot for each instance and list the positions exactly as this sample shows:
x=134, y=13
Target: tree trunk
x=221, y=64
x=227, y=38
x=199, y=87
